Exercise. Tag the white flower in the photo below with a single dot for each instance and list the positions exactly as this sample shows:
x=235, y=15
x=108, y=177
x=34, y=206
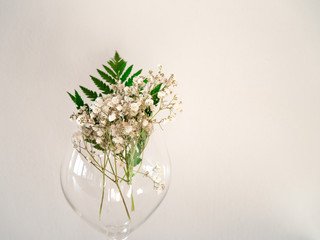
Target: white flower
x=115, y=100
x=120, y=86
x=127, y=99
x=156, y=168
x=110, y=104
x=118, y=140
x=145, y=122
x=128, y=129
x=96, y=110
x=157, y=179
x=140, y=80
x=159, y=187
x=119, y=107
x=100, y=133
x=159, y=67
x=152, y=108
x=99, y=140
x=105, y=108
x=119, y=149
x=171, y=118
x=112, y=117
x=77, y=136
x=161, y=94
x=178, y=106
x=99, y=102
x=134, y=107
x=149, y=102
x=127, y=90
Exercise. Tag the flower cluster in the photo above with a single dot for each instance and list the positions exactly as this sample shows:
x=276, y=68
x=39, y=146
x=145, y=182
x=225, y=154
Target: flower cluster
x=115, y=127
x=112, y=121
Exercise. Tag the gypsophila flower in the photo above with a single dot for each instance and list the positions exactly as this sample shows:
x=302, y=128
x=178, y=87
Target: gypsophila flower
x=118, y=140
x=112, y=117
x=134, y=107
x=145, y=122
x=115, y=127
x=149, y=102
x=128, y=129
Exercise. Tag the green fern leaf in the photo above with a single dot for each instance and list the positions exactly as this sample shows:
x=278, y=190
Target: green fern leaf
x=72, y=97
x=106, y=77
x=126, y=74
x=122, y=66
x=136, y=74
x=101, y=85
x=130, y=80
x=90, y=94
x=118, y=65
x=154, y=94
x=97, y=146
x=117, y=57
x=109, y=70
x=112, y=64
x=78, y=99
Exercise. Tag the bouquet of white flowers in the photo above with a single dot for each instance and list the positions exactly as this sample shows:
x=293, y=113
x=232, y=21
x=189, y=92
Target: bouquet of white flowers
x=115, y=127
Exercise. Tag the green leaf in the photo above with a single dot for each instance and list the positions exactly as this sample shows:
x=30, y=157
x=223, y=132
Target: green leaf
x=142, y=142
x=109, y=70
x=156, y=89
x=72, y=97
x=122, y=66
x=90, y=141
x=130, y=80
x=137, y=161
x=154, y=94
x=106, y=77
x=97, y=146
x=101, y=85
x=90, y=94
x=112, y=64
x=136, y=74
x=148, y=111
x=78, y=99
x=126, y=74
x=117, y=57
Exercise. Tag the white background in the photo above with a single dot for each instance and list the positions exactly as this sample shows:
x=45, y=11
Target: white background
x=245, y=150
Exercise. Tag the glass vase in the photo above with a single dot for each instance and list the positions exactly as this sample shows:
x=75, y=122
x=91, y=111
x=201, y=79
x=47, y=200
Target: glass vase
x=116, y=208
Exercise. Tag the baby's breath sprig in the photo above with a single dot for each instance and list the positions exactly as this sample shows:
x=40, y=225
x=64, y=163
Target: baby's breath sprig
x=115, y=126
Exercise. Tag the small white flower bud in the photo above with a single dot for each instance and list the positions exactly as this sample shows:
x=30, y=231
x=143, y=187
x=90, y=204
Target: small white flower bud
x=112, y=117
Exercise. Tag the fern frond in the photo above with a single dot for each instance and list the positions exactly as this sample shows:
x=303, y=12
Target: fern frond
x=122, y=66
x=110, y=71
x=117, y=57
x=106, y=77
x=73, y=98
x=130, y=80
x=126, y=74
x=78, y=99
x=101, y=85
x=90, y=94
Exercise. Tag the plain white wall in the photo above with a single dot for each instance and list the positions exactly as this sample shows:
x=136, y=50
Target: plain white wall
x=245, y=150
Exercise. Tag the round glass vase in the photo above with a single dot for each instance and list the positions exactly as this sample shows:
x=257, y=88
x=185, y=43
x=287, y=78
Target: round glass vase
x=116, y=208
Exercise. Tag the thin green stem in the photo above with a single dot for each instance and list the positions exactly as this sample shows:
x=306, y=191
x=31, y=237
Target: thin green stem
x=116, y=182
x=103, y=183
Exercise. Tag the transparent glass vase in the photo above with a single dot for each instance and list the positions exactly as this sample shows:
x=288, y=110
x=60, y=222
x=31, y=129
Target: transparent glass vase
x=117, y=209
